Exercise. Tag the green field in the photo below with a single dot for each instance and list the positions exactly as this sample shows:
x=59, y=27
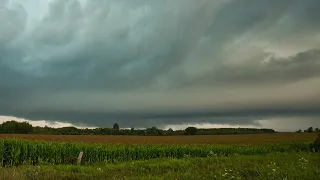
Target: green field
x=22, y=152
x=297, y=166
x=26, y=159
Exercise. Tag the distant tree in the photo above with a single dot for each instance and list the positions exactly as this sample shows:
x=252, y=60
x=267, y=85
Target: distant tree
x=69, y=131
x=299, y=131
x=316, y=129
x=310, y=130
x=132, y=131
x=160, y=132
x=170, y=132
x=116, y=126
x=14, y=127
x=152, y=131
x=191, y=131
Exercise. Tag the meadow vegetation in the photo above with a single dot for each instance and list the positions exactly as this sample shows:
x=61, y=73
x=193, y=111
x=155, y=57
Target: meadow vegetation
x=21, y=152
x=278, y=166
x=260, y=156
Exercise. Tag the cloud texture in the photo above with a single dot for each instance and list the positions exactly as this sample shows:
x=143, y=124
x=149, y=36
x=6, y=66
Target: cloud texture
x=144, y=63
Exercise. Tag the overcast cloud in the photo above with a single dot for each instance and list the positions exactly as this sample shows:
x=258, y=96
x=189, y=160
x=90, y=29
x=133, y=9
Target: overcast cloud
x=171, y=62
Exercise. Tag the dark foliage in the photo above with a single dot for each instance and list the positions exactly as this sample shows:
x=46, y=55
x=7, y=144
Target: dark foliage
x=13, y=127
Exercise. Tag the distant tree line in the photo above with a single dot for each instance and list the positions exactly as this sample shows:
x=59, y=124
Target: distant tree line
x=13, y=127
x=309, y=130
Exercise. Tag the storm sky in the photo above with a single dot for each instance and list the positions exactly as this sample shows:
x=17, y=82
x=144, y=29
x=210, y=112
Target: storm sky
x=144, y=63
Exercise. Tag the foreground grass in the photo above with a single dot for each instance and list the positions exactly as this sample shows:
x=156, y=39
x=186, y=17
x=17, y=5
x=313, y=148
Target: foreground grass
x=297, y=165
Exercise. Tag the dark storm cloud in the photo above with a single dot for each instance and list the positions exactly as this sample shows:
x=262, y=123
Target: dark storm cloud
x=269, y=69
x=144, y=63
x=233, y=117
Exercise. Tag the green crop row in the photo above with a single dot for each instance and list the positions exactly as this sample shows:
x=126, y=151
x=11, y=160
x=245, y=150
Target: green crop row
x=15, y=152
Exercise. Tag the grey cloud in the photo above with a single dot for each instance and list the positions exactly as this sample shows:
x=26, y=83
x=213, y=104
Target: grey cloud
x=236, y=117
x=267, y=69
x=290, y=123
x=160, y=62
x=61, y=24
x=12, y=22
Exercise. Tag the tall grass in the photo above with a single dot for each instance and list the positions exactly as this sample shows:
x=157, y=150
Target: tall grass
x=15, y=152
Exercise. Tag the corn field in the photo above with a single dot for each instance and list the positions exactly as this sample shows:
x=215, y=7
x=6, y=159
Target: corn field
x=253, y=139
x=15, y=152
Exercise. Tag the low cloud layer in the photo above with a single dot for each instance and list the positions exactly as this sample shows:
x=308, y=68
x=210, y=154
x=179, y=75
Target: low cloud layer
x=143, y=63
